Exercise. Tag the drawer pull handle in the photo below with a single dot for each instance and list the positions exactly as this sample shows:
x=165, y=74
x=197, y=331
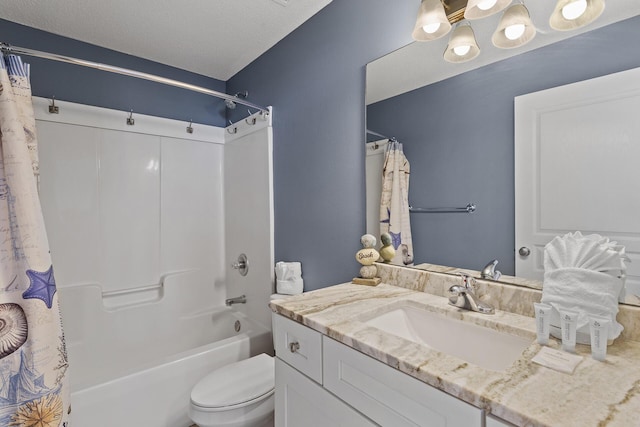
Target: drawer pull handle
x=294, y=346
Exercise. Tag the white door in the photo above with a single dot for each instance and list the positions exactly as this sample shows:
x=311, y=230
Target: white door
x=576, y=168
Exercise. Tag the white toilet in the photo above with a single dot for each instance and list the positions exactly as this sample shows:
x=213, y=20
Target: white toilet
x=236, y=395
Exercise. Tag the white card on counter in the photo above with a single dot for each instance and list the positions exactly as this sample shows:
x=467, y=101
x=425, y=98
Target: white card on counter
x=558, y=360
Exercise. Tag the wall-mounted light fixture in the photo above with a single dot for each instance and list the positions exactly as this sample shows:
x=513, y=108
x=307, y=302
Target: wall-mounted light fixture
x=477, y=9
x=462, y=45
x=572, y=14
x=432, y=22
x=514, y=30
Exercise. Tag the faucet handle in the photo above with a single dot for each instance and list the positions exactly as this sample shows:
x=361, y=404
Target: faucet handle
x=468, y=281
x=471, y=283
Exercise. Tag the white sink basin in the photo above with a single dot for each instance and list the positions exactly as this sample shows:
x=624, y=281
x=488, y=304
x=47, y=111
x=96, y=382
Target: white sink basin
x=484, y=347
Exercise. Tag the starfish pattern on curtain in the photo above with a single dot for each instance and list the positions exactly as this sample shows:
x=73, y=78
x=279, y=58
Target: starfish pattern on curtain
x=34, y=389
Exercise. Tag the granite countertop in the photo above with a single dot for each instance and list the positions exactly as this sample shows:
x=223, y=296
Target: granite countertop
x=526, y=394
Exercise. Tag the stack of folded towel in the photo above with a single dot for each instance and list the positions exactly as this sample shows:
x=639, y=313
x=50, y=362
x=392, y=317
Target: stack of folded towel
x=584, y=274
x=289, y=278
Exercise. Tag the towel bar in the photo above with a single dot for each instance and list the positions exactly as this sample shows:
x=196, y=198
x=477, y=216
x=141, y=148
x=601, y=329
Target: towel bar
x=470, y=208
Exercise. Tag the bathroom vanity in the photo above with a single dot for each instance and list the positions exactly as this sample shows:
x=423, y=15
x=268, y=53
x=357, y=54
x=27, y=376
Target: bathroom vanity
x=341, y=384
x=345, y=358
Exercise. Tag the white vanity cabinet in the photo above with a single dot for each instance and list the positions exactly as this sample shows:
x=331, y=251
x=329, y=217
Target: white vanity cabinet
x=299, y=402
x=322, y=382
x=300, y=399
x=388, y=396
x=299, y=346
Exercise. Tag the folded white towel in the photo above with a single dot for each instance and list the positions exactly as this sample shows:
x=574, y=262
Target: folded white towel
x=290, y=287
x=592, y=252
x=585, y=291
x=289, y=278
x=288, y=270
x=584, y=274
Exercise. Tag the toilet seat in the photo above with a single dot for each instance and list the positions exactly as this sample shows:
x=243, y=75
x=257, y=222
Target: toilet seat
x=236, y=385
x=230, y=407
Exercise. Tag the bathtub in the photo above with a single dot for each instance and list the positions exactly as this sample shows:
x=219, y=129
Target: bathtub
x=156, y=393
x=143, y=377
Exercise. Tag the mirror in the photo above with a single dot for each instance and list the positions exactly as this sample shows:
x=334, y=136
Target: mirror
x=456, y=122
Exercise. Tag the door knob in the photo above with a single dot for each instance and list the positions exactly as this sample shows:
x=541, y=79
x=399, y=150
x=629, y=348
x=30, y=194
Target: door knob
x=524, y=251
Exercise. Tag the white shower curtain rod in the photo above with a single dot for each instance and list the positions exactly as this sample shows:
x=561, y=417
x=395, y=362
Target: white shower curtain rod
x=9, y=49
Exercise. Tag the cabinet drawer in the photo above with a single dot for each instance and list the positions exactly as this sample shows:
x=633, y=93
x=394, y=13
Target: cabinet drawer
x=299, y=346
x=390, y=397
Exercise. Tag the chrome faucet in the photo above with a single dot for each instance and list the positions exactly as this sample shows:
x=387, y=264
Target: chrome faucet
x=463, y=296
x=489, y=271
x=242, y=299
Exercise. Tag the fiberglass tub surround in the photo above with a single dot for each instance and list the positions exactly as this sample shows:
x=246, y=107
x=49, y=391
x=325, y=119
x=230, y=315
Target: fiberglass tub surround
x=137, y=224
x=156, y=333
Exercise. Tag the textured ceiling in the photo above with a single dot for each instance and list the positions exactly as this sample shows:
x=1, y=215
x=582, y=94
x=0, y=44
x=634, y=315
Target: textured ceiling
x=215, y=38
x=421, y=63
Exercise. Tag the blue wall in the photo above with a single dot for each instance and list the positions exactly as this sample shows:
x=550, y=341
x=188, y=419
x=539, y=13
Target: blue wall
x=93, y=87
x=315, y=79
x=462, y=150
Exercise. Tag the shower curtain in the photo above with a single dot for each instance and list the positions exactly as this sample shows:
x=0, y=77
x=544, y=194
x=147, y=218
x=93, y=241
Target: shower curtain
x=34, y=389
x=394, y=203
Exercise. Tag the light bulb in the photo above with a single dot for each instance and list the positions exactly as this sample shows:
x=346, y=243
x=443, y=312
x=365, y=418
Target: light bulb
x=513, y=32
x=487, y=4
x=574, y=10
x=461, y=50
x=431, y=28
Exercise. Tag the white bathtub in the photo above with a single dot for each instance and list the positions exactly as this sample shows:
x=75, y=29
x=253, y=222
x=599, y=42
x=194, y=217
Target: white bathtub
x=135, y=366
x=156, y=393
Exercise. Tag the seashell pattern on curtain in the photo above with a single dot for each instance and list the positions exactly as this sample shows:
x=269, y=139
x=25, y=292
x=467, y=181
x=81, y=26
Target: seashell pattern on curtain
x=34, y=390
x=394, y=203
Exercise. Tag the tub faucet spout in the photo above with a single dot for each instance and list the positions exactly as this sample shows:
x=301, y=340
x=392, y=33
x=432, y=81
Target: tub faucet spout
x=242, y=299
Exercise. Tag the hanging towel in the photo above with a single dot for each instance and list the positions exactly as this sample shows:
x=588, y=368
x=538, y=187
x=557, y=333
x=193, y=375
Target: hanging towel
x=394, y=203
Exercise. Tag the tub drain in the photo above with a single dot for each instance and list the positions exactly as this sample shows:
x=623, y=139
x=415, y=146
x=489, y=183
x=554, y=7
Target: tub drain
x=237, y=326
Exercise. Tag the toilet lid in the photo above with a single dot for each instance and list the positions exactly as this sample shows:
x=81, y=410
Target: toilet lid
x=236, y=383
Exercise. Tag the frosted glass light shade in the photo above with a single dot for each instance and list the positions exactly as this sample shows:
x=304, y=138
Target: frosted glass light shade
x=517, y=14
x=476, y=9
x=462, y=36
x=559, y=22
x=431, y=13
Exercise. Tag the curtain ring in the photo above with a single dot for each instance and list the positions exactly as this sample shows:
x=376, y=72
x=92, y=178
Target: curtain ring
x=190, y=128
x=130, y=120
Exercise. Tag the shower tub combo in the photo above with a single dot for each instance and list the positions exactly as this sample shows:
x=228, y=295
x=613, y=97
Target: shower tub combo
x=136, y=219
x=145, y=379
